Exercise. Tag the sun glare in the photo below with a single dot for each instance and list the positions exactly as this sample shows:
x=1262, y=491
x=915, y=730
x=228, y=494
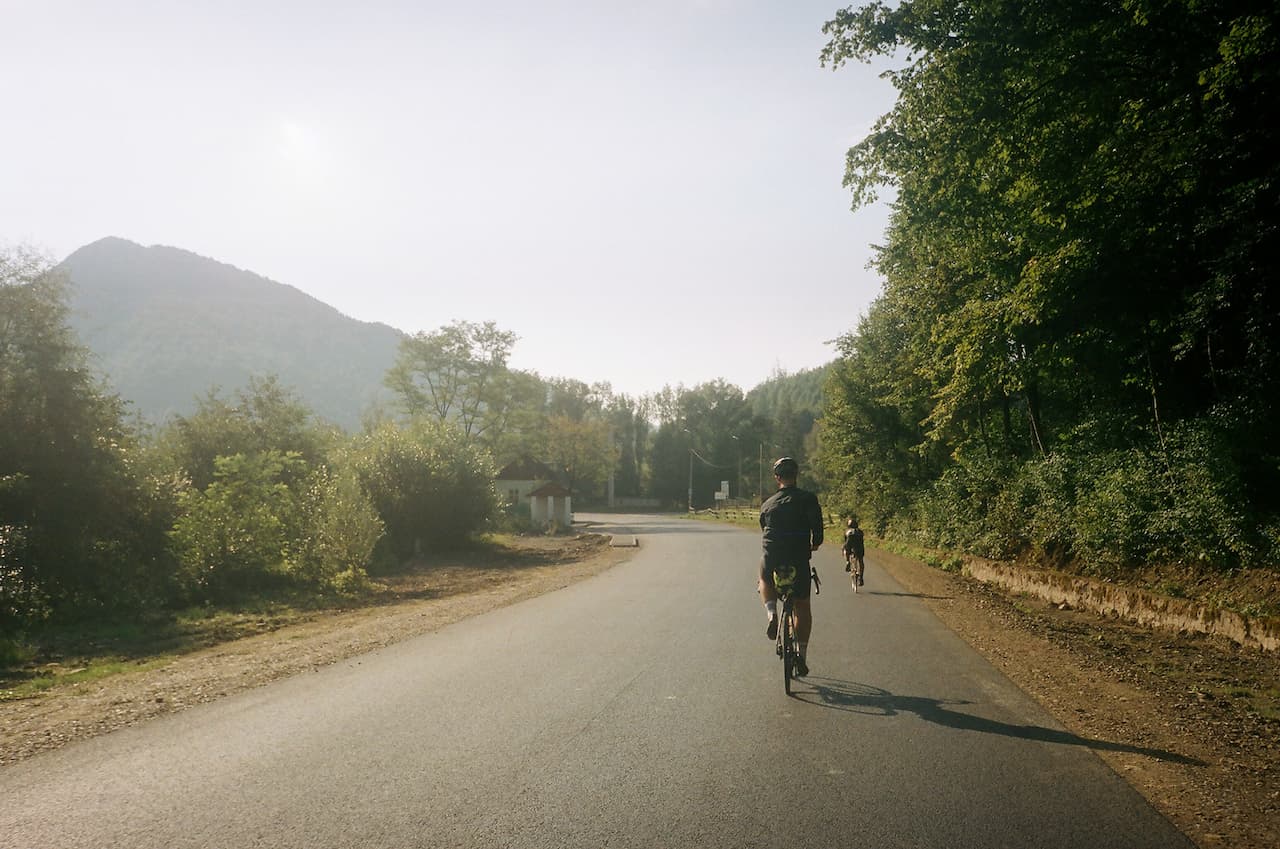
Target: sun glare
x=303, y=151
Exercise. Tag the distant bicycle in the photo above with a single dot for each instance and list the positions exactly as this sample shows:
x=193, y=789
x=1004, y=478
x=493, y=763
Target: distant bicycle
x=856, y=566
x=855, y=551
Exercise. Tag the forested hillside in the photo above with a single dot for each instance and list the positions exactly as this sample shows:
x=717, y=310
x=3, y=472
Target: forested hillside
x=165, y=326
x=798, y=392
x=1075, y=353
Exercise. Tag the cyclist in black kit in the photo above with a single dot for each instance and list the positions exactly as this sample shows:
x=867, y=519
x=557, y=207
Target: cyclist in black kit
x=791, y=530
x=855, y=550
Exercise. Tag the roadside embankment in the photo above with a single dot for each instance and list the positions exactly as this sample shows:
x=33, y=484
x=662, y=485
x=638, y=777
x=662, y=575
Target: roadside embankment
x=1182, y=601
x=1132, y=604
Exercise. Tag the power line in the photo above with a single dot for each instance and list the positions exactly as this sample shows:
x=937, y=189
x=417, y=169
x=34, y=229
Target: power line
x=707, y=462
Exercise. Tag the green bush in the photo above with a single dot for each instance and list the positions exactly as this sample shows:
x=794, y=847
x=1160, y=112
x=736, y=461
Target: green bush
x=958, y=510
x=264, y=416
x=1174, y=503
x=1038, y=507
x=14, y=651
x=1175, y=500
x=515, y=518
x=340, y=529
x=234, y=536
x=432, y=486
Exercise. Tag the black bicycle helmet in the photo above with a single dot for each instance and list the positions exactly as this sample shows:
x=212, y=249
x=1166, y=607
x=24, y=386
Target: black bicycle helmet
x=786, y=467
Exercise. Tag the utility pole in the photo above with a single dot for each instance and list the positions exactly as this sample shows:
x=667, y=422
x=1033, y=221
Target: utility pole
x=760, y=491
x=690, y=478
x=686, y=430
x=737, y=485
x=612, y=466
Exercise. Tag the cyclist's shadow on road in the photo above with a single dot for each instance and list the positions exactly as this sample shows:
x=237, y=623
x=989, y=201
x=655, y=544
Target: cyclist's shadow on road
x=864, y=698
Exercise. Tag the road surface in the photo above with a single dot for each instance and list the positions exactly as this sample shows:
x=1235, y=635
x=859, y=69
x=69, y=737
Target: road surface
x=640, y=708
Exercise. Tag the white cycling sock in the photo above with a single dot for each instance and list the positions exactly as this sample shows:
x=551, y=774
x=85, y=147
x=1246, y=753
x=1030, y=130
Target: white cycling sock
x=771, y=608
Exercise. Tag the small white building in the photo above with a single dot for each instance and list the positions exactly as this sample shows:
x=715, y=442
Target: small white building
x=550, y=504
x=518, y=479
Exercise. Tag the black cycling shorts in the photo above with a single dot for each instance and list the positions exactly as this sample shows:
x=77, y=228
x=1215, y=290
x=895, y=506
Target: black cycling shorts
x=797, y=576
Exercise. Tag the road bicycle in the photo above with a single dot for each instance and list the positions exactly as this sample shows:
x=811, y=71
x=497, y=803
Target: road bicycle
x=786, y=642
x=857, y=566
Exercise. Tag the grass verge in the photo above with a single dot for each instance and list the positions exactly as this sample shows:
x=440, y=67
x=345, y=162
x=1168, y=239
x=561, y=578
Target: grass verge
x=63, y=654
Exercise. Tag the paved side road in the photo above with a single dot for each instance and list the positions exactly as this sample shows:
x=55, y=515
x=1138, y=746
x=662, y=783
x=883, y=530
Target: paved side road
x=643, y=707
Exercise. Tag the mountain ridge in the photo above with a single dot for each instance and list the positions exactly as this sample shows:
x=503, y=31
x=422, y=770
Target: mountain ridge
x=167, y=325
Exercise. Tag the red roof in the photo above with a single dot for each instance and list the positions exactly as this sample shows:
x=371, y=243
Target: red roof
x=552, y=489
x=525, y=469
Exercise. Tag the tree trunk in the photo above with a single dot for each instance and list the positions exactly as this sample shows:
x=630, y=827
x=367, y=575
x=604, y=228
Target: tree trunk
x=1006, y=419
x=1033, y=414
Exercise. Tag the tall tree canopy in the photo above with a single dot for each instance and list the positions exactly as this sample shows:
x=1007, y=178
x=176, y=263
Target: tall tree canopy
x=70, y=511
x=1081, y=258
x=459, y=374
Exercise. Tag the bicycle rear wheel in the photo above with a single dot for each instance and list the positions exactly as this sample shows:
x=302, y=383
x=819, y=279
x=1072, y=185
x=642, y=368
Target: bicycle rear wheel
x=788, y=651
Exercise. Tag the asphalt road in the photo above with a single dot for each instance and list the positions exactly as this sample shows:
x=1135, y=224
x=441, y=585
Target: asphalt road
x=643, y=707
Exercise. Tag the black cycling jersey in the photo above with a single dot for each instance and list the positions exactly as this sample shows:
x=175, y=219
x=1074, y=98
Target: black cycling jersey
x=791, y=524
x=853, y=543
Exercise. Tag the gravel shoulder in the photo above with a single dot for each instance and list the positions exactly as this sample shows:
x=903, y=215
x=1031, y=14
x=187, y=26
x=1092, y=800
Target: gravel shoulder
x=1192, y=722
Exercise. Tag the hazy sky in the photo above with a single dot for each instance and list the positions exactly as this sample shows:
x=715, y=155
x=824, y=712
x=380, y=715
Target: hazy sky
x=647, y=193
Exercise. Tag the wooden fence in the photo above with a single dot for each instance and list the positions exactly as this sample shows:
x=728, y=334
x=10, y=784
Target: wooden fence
x=752, y=514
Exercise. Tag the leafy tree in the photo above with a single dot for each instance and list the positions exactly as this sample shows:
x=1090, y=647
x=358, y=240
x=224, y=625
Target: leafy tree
x=576, y=400
x=265, y=416
x=72, y=516
x=800, y=391
x=669, y=460
x=575, y=432
x=459, y=374
x=875, y=456
x=581, y=450
x=1077, y=267
x=1058, y=162
x=432, y=486
x=664, y=405
x=570, y=425
x=520, y=429
x=695, y=439
x=339, y=534
x=630, y=428
x=234, y=535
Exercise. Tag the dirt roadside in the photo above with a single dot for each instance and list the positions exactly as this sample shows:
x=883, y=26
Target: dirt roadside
x=1165, y=711
x=1183, y=718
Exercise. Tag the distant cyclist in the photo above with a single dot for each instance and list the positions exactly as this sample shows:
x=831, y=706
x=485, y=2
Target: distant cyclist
x=855, y=551
x=791, y=530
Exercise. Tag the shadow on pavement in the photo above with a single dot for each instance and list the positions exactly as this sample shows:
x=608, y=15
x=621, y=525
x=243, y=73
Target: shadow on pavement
x=643, y=530
x=865, y=591
x=864, y=698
